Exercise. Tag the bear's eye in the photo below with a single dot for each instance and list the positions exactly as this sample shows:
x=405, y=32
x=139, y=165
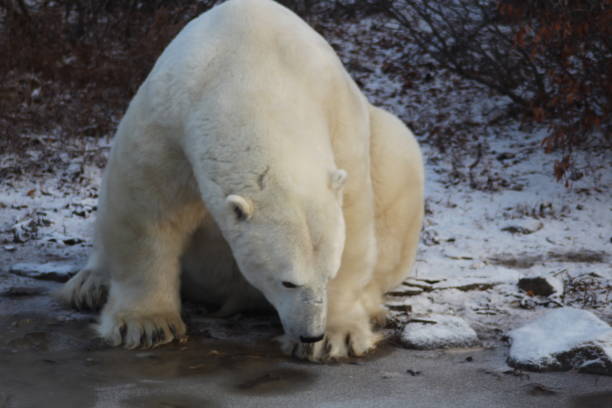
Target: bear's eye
x=240, y=215
x=289, y=285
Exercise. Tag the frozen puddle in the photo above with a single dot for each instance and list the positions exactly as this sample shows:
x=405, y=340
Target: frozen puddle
x=563, y=339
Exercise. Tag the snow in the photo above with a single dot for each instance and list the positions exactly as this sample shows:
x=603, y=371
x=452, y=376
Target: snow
x=561, y=339
x=438, y=331
x=55, y=271
x=493, y=224
x=486, y=226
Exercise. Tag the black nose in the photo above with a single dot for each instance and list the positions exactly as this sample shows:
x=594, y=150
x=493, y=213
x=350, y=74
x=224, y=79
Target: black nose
x=311, y=339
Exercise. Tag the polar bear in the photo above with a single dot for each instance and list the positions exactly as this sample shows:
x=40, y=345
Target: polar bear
x=250, y=161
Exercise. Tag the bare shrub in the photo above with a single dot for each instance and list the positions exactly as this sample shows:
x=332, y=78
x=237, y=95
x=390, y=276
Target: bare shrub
x=552, y=59
x=75, y=64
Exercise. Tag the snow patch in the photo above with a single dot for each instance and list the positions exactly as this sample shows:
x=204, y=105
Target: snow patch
x=563, y=339
x=438, y=331
x=55, y=271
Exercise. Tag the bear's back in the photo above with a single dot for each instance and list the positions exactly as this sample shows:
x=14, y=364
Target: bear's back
x=250, y=36
x=244, y=46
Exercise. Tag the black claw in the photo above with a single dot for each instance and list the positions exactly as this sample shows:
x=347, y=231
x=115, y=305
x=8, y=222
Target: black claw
x=158, y=336
x=79, y=285
x=327, y=346
x=349, y=345
x=123, y=332
x=308, y=348
x=173, y=331
x=143, y=340
x=294, y=351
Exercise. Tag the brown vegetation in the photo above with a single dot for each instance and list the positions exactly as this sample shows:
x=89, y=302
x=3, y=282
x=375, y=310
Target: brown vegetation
x=552, y=59
x=71, y=66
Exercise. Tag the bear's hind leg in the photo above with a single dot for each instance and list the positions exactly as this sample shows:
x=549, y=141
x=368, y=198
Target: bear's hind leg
x=88, y=289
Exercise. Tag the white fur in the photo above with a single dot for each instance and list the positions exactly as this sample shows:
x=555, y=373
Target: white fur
x=249, y=112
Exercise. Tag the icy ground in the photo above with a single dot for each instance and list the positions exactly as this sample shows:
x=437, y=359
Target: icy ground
x=494, y=214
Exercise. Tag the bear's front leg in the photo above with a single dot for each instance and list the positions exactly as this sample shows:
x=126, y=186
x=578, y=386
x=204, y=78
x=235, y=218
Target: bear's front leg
x=348, y=334
x=349, y=330
x=143, y=308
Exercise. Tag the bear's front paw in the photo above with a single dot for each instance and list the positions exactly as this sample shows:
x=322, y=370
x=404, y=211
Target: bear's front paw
x=134, y=330
x=338, y=344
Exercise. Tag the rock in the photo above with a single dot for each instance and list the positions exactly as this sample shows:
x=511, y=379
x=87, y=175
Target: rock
x=459, y=256
x=541, y=285
x=22, y=291
x=524, y=227
x=399, y=307
x=54, y=271
x=75, y=168
x=28, y=229
x=563, y=339
x=539, y=390
x=482, y=282
x=405, y=291
x=438, y=331
x=505, y=156
x=520, y=261
x=69, y=241
x=24, y=231
x=466, y=284
x=579, y=256
x=72, y=241
x=417, y=283
x=391, y=374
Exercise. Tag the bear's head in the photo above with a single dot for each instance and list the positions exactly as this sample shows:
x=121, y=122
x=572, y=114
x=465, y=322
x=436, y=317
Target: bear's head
x=288, y=243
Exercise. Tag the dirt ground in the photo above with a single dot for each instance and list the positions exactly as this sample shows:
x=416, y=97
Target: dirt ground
x=49, y=357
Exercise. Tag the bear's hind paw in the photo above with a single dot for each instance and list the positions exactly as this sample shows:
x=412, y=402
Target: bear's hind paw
x=88, y=289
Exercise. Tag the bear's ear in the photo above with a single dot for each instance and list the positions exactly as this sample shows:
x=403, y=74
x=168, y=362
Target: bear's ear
x=240, y=206
x=337, y=179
